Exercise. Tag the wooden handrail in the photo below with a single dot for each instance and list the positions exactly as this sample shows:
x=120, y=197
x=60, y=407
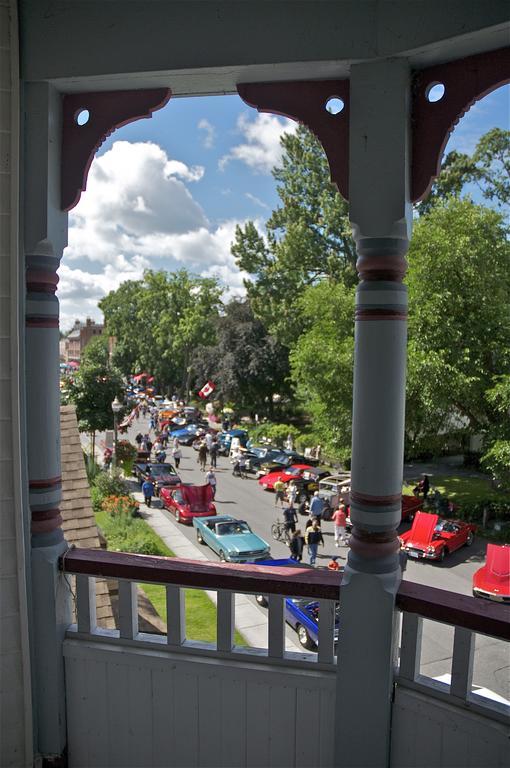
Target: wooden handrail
x=429, y=602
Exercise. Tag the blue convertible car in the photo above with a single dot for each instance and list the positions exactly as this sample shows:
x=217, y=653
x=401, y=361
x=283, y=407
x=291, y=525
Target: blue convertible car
x=231, y=539
x=301, y=613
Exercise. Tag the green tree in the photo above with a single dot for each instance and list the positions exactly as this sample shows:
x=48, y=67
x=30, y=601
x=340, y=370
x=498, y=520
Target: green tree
x=459, y=322
x=120, y=309
x=308, y=238
x=93, y=388
x=322, y=362
x=247, y=364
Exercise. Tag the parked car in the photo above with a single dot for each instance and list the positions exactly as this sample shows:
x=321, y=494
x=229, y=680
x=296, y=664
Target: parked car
x=162, y=474
x=283, y=459
x=294, y=472
x=335, y=488
x=492, y=580
x=231, y=539
x=410, y=506
x=189, y=501
x=225, y=439
x=302, y=613
x=257, y=455
x=186, y=435
x=433, y=538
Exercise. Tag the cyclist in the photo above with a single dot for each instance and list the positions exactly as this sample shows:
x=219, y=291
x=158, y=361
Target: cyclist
x=290, y=518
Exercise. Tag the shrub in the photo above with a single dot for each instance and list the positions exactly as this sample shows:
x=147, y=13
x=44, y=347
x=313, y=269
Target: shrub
x=275, y=433
x=107, y=484
x=130, y=534
x=120, y=505
x=126, y=451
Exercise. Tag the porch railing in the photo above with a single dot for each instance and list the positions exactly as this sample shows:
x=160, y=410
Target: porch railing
x=415, y=603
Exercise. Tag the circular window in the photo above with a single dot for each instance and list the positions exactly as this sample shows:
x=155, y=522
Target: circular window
x=434, y=92
x=334, y=105
x=82, y=117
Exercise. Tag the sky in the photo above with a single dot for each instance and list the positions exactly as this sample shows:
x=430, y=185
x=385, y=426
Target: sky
x=167, y=193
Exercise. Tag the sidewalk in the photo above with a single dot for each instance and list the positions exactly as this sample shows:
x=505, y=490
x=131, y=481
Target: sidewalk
x=250, y=620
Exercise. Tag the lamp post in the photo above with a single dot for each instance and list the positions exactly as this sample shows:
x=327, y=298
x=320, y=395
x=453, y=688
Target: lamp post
x=116, y=407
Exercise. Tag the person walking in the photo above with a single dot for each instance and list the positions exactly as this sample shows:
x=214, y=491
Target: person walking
x=316, y=505
x=339, y=519
x=214, y=452
x=290, y=519
x=148, y=491
x=138, y=441
x=313, y=539
x=211, y=479
x=292, y=493
x=296, y=545
x=176, y=452
x=279, y=489
x=202, y=455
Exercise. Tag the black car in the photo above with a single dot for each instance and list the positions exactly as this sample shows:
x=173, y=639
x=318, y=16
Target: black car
x=162, y=474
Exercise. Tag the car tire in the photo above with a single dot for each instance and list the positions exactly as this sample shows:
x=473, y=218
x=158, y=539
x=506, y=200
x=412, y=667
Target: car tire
x=261, y=600
x=304, y=638
x=177, y=516
x=222, y=556
x=470, y=538
x=443, y=554
x=200, y=538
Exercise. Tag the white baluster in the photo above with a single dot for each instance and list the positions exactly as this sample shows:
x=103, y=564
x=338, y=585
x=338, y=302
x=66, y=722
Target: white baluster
x=225, y=621
x=410, y=648
x=128, y=609
x=326, y=651
x=176, y=616
x=462, y=662
x=86, y=604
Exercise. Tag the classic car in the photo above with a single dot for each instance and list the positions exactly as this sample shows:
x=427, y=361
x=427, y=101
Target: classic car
x=302, y=613
x=335, y=488
x=433, y=538
x=188, y=501
x=492, y=580
x=283, y=459
x=410, y=506
x=259, y=454
x=162, y=474
x=231, y=539
x=287, y=474
x=186, y=435
x=225, y=439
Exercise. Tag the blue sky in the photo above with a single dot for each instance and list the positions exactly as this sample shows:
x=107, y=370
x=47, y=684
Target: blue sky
x=167, y=193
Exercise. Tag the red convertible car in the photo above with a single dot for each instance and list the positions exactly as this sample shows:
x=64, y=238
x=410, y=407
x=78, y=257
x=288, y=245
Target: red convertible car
x=432, y=537
x=188, y=501
x=493, y=579
x=285, y=475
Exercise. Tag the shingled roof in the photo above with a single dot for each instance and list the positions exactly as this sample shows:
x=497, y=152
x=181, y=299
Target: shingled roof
x=79, y=524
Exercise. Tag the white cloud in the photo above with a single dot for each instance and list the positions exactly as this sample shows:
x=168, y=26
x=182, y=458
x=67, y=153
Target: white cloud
x=256, y=200
x=209, y=130
x=138, y=214
x=261, y=148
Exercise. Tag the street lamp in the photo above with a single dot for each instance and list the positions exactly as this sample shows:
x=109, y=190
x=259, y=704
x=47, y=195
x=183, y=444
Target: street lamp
x=116, y=408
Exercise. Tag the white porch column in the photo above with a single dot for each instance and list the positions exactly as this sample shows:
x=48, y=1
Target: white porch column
x=380, y=213
x=45, y=232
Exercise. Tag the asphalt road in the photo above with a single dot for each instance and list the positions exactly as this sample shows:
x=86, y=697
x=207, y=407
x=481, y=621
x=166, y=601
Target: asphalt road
x=245, y=499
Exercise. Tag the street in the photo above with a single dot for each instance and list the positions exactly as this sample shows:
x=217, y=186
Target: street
x=245, y=499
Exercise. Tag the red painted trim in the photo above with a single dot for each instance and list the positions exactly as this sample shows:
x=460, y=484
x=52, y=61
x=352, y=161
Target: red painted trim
x=305, y=101
x=41, y=322
x=108, y=110
x=379, y=314
x=41, y=288
x=46, y=514
x=428, y=602
x=50, y=482
x=466, y=81
x=375, y=501
x=46, y=279
x=46, y=526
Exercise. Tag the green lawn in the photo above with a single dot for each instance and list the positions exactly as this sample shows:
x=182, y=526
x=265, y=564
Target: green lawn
x=134, y=534
x=462, y=489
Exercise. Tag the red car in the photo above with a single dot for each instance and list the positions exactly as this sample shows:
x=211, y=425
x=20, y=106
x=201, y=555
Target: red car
x=432, y=537
x=492, y=580
x=285, y=475
x=188, y=501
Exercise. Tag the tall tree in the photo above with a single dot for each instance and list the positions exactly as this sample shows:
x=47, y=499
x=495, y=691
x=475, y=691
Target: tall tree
x=308, y=238
x=247, y=364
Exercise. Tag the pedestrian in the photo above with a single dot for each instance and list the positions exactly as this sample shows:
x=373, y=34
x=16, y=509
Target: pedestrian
x=290, y=519
x=289, y=443
x=149, y=444
x=425, y=486
x=214, y=452
x=313, y=538
x=208, y=441
x=339, y=519
x=202, y=455
x=211, y=479
x=279, y=489
x=333, y=564
x=292, y=493
x=303, y=506
x=148, y=491
x=296, y=545
x=316, y=505
x=176, y=452
x=138, y=441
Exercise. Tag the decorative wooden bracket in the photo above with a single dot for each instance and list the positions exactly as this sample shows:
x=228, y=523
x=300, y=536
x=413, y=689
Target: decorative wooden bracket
x=305, y=101
x=465, y=81
x=107, y=110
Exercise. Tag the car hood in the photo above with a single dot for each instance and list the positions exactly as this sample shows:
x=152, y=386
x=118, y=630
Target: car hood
x=242, y=542
x=423, y=529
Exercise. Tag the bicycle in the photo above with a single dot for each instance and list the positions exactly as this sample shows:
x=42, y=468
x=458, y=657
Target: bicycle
x=279, y=532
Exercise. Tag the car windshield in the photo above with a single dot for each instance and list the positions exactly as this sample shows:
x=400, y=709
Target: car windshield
x=179, y=498
x=162, y=469
x=446, y=526
x=232, y=528
x=293, y=471
x=258, y=452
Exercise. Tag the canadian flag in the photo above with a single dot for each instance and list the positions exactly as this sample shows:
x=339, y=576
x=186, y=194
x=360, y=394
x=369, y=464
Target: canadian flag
x=206, y=390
